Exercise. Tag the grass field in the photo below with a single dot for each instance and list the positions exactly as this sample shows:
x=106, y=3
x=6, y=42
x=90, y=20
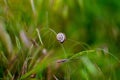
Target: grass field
x=29, y=49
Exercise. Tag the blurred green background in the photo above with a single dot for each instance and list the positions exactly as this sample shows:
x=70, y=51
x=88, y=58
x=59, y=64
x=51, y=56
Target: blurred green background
x=87, y=24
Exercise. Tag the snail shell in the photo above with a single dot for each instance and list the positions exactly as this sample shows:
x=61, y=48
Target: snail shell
x=61, y=37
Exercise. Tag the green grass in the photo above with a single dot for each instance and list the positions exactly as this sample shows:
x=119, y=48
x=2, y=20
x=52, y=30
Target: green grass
x=29, y=49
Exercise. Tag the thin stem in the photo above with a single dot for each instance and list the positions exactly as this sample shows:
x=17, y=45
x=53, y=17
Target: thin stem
x=55, y=77
x=64, y=51
x=66, y=65
x=114, y=57
x=33, y=6
x=80, y=44
x=53, y=31
x=107, y=52
x=38, y=33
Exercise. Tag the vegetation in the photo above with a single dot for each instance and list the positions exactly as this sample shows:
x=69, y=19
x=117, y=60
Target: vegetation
x=29, y=49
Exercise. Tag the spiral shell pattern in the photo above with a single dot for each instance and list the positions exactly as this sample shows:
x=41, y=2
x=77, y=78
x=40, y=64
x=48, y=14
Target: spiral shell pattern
x=61, y=37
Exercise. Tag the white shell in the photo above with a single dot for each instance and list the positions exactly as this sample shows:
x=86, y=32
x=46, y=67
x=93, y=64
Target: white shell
x=61, y=37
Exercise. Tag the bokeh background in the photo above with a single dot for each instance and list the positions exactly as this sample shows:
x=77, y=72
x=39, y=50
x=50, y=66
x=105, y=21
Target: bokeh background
x=87, y=24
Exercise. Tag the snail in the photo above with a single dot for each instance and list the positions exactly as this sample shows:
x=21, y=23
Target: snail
x=61, y=37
